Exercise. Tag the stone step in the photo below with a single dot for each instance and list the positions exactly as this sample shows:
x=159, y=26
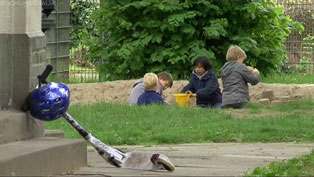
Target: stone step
x=42, y=156
x=54, y=133
x=19, y=126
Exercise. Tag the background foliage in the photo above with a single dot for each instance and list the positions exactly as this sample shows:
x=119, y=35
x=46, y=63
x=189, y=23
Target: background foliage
x=81, y=21
x=161, y=35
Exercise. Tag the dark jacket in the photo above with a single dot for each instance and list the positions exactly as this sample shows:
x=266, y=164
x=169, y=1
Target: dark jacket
x=206, y=88
x=235, y=79
x=150, y=97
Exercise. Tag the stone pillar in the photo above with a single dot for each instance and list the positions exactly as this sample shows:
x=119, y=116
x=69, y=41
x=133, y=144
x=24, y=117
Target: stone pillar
x=22, y=58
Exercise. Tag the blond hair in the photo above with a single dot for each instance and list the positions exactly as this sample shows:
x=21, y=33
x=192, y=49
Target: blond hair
x=234, y=53
x=150, y=81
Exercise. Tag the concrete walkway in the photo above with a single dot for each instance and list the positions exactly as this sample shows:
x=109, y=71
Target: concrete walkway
x=212, y=159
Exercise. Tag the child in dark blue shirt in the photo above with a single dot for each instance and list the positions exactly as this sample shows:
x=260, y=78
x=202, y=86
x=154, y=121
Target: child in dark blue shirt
x=150, y=95
x=204, y=84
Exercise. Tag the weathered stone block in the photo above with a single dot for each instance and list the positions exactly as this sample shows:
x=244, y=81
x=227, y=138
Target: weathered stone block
x=17, y=126
x=284, y=98
x=264, y=101
x=276, y=102
x=42, y=156
x=268, y=94
x=15, y=67
x=297, y=96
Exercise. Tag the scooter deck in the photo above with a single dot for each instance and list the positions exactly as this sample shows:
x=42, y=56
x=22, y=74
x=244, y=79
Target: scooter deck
x=147, y=161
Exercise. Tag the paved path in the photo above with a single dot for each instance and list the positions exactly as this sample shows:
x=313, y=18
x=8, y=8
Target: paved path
x=211, y=159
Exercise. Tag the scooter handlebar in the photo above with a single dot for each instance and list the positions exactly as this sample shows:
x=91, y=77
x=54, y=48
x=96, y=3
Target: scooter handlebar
x=42, y=78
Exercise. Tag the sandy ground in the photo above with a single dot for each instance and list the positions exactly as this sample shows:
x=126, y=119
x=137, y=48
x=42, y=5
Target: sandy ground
x=119, y=91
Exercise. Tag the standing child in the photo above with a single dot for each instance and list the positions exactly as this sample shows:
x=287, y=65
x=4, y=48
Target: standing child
x=204, y=84
x=164, y=82
x=235, y=78
x=150, y=95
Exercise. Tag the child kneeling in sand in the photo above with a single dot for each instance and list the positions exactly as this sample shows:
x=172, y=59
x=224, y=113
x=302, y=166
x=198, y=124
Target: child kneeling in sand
x=204, y=84
x=150, y=95
x=235, y=78
x=164, y=81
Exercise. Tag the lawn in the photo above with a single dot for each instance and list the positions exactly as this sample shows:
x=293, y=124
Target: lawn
x=293, y=78
x=118, y=124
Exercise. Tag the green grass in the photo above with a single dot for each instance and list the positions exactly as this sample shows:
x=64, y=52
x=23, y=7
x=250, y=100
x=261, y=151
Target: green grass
x=302, y=166
x=120, y=124
x=293, y=78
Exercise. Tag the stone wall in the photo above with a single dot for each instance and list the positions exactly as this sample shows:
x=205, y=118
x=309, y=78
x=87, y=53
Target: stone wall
x=22, y=58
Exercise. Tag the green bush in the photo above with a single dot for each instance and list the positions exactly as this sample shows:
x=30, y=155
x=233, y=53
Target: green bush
x=162, y=35
x=81, y=21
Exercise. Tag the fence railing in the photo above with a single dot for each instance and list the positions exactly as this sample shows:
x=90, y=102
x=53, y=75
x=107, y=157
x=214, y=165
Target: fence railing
x=57, y=39
x=81, y=68
x=300, y=50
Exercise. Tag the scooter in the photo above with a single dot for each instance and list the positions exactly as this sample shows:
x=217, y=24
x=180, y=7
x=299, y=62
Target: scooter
x=48, y=112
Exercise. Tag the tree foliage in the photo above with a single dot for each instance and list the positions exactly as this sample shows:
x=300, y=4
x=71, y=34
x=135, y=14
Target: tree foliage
x=167, y=35
x=81, y=21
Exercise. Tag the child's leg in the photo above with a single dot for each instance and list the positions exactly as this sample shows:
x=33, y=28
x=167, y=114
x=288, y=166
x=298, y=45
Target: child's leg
x=235, y=105
x=217, y=106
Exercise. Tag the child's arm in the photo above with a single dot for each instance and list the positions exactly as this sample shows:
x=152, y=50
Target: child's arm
x=251, y=77
x=188, y=87
x=191, y=93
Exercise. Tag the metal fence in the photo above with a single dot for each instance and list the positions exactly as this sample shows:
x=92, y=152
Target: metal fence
x=58, y=43
x=300, y=51
x=81, y=68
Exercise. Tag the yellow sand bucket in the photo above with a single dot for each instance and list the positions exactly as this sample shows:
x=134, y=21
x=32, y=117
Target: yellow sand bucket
x=182, y=99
